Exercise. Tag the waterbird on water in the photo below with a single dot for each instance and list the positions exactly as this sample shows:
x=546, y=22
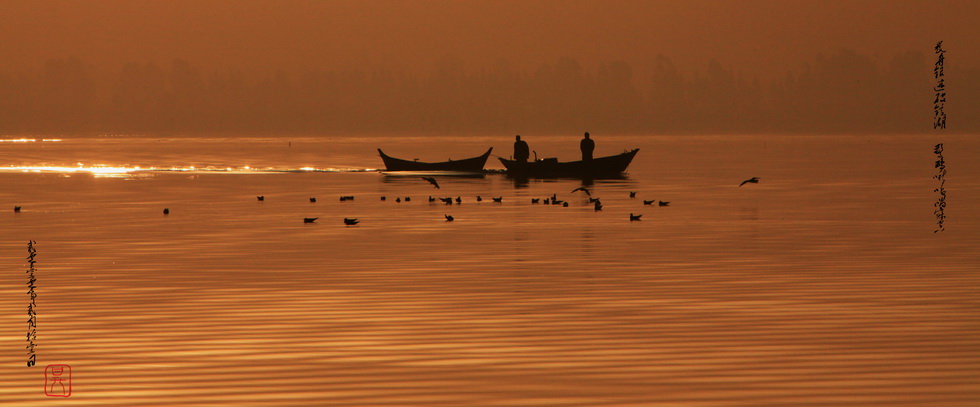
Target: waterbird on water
x=16, y=209
x=432, y=181
x=634, y=217
x=312, y=199
x=583, y=189
x=498, y=199
x=564, y=204
x=408, y=199
x=536, y=200
x=632, y=194
x=459, y=200
x=431, y=199
x=645, y=202
x=598, y=205
x=447, y=201
x=351, y=221
x=754, y=180
x=260, y=197
x=166, y=211
x=309, y=220
x=479, y=198
x=662, y=203
x=383, y=198
x=399, y=200
x=450, y=218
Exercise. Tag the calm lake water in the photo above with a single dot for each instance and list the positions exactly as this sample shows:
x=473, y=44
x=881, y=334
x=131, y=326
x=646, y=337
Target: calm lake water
x=822, y=285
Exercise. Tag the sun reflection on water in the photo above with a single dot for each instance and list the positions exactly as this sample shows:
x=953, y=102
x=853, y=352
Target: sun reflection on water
x=29, y=140
x=102, y=170
x=97, y=170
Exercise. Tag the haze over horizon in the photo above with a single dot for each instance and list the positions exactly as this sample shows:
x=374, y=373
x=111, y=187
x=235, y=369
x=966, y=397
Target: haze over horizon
x=314, y=66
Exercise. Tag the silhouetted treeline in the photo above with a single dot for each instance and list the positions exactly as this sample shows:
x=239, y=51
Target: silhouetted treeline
x=844, y=92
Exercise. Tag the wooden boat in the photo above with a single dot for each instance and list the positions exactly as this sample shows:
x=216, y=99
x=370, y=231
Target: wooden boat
x=610, y=166
x=474, y=164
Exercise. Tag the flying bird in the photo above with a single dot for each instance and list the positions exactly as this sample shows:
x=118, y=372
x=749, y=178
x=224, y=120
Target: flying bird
x=536, y=200
x=432, y=181
x=351, y=221
x=632, y=194
x=634, y=217
x=583, y=189
x=754, y=180
x=645, y=202
x=662, y=203
x=450, y=218
x=309, y=220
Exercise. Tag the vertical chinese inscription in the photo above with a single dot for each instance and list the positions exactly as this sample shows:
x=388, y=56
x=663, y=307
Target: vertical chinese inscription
x=32, y=307
x=939, y=118
x=940, y=204
x=939, y=122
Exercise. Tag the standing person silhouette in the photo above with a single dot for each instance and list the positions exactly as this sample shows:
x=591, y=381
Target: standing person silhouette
x=587, y=145
x=521, y=150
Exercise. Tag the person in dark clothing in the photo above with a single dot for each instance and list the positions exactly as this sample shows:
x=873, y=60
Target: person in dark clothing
x=587, y=145
x=521, y=150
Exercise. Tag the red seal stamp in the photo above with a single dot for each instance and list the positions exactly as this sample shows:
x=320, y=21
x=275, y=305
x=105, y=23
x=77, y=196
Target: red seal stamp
x=57, y=381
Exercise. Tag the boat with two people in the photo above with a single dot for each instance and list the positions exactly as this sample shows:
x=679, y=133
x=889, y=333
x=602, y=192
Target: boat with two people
x=601, y=167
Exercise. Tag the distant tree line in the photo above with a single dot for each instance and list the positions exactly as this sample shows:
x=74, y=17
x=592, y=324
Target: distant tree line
x=843, y=92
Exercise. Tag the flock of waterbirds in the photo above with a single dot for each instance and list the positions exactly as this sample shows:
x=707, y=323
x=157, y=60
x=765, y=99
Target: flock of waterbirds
x=552, y=200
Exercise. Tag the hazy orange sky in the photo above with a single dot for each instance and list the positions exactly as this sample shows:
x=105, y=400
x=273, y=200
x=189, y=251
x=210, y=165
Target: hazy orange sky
x=756, y=37
x=314, y=66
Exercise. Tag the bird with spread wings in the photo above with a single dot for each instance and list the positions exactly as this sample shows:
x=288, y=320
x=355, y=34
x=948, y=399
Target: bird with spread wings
x=432, y=181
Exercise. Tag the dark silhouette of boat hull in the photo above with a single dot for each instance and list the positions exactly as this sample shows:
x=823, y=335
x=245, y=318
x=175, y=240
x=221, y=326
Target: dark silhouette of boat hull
x=474, y=164
x=602, y=167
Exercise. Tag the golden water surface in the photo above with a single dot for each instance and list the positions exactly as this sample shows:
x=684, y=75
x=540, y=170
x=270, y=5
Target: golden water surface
x=822, y=285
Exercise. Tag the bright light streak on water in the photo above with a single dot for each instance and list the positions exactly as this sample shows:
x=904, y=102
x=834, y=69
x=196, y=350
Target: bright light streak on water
x=96, y=169
x=29, y=140
x=106, y=170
